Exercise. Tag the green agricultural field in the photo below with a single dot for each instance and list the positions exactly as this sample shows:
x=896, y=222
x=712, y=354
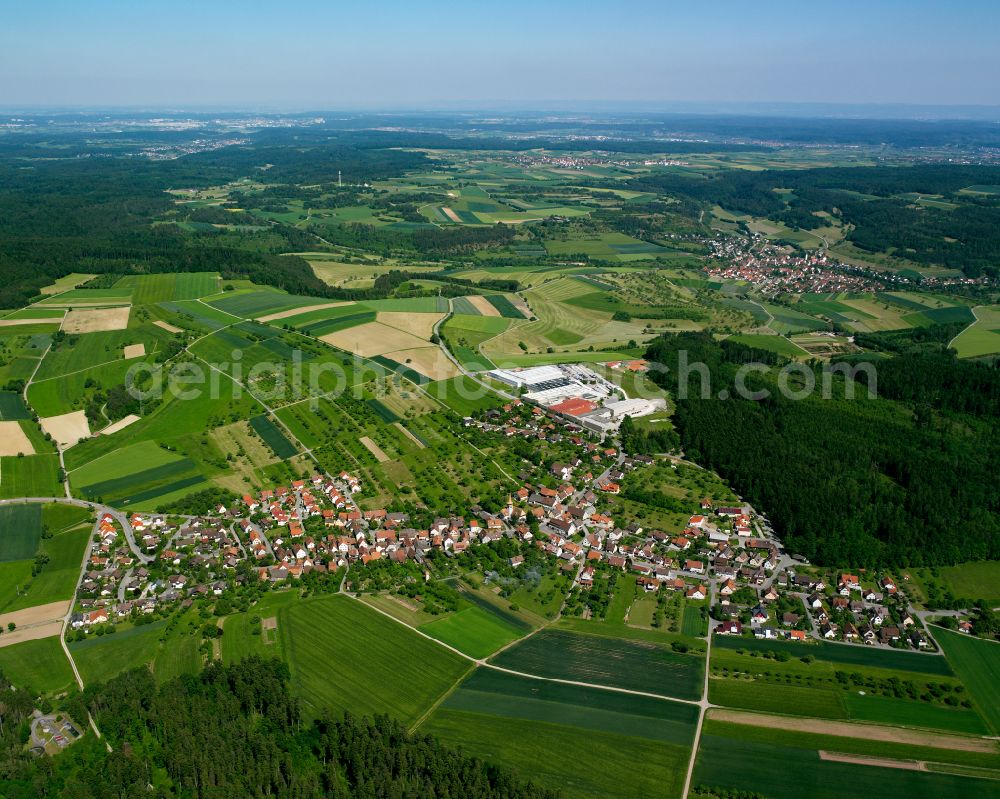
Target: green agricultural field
x=12, y=407
x=70, y=281
x=463, y=395
x=57, y=579
x=168, y=648
x=834, y=702
x=178, y=424
x=845, y=655
x=785, y=771
x=34, y=312
x=89, y=350
x=243, y=637
x=694, y=622
x=54, y=396
x=13, y=575
x=273, y=436
x=889, y=710
x=787, y=320
x=136, y=475
x=180, y=652
x=306, y=319
x=778, y=344
x=861, y=744
x=20, y=531
x=473, y=630
x=602, y=660
x=196, y=315
x=504, y=306
x=973, y=580
x=99, y=658
x=464, y=334
x=410, y=305
x=824, y=703
x=982, y=337
x=346, y=656
x=124, y=462
x=39, y=665
x=108, y=296
x=977, y=662
x=531, y=724
x=149, y=289
x=30, y=476
x=253, y=303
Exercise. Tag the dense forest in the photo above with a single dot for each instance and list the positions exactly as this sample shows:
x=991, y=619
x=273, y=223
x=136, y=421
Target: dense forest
x=235, y=731
x=97, y=214
x=906, y=478
x=871, y=201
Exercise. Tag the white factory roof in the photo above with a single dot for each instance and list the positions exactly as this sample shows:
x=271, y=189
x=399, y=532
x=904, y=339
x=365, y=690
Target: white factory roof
x=529, y=376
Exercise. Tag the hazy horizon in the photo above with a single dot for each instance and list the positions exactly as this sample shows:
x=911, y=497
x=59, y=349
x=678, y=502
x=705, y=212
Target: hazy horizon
x=558, y=55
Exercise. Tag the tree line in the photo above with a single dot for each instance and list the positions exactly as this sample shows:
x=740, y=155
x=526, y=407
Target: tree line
x=907, y=478
x=237, y=731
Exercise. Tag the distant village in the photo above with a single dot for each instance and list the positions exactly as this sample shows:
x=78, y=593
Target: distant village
x=773, y=269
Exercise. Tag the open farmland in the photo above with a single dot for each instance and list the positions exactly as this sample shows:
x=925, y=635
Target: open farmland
x=21, y=538
x=39, y=665
x=982, y=337
x=65, y=283
x=463, y=395
x=530, y=724
x=149, y=289
x=29, y=476
x=373, y=338
x=428, y=362
x=788, y=768
x=465, y=333
x=977, y=580
x=101, y=658
x=841, y=682
x=636, y=665
x=254, y=303
x=12, y=407
x=168, y=651
x=138, y=474
x=473, y=630
x=345, y=656
x=893, y=660
x=977, y=662
x=20, y=531
x=273, y=436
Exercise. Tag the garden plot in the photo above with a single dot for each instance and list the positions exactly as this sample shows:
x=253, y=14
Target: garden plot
x=68, y=428
x=134, y=351
x=13, y=440
x=96, y=320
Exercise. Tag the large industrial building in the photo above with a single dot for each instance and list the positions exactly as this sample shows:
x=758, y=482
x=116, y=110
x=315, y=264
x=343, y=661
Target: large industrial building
x=577, y=391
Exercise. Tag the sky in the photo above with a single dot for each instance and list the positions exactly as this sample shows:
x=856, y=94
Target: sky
x=392, y=54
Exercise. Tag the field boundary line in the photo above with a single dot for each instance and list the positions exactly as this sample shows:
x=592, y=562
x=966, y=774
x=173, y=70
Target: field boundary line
x=440, y=700
x=485, y=664
x=976, y=321
x=842, y=728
